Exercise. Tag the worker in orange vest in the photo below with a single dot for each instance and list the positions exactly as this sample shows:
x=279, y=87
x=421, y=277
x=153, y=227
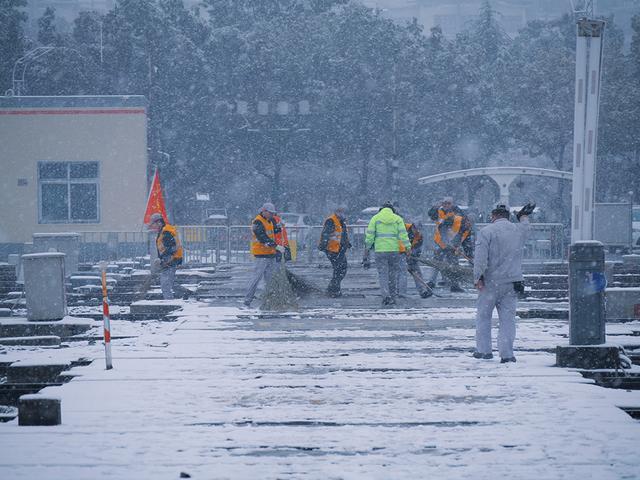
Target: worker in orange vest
x=169, y=253
x=447, y=207
x=334, y=242
x=451, y=231
x=263, y=248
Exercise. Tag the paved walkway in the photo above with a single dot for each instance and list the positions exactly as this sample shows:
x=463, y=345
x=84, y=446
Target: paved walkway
x=230, y=393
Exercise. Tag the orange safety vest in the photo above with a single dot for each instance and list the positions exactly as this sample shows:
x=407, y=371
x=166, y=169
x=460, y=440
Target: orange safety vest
x=453, y=231
x=416, y=238
x=160, y=244
x=281, y=238
x=258, y=248
x=335, y=238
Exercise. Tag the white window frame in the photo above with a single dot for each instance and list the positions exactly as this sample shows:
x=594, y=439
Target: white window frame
x=68, y=181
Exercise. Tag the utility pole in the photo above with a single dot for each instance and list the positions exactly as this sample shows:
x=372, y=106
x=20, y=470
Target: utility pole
x=585, y=128
x=395, y=163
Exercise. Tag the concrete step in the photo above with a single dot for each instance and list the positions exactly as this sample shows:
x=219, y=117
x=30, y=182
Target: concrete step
x=551, y=313
x=614, y=379
x=7, y=413
x=153, y=310
x=556, y=294
x=40, y=341
x=24, y=372
x=11, y=392
x=20, y=327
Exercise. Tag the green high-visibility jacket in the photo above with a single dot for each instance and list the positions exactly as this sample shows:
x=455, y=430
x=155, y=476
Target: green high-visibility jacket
x=385, y=232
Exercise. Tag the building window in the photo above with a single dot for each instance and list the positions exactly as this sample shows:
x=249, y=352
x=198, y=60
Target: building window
x=68, y=192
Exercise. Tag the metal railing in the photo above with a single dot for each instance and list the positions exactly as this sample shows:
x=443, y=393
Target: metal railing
x=231, y=244
x=96, y=246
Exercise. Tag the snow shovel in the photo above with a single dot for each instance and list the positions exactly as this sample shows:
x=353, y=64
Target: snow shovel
x=279, y=296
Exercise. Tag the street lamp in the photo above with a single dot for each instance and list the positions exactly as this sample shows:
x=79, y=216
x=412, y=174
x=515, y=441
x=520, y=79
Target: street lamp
x=17, y=84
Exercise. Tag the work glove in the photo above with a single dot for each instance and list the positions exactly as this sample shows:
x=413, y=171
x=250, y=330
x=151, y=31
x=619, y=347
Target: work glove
x=280, y=248
x=519, y=288
x=526, y=210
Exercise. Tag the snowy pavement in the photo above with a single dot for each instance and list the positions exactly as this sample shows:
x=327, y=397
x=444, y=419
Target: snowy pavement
x=230, y=393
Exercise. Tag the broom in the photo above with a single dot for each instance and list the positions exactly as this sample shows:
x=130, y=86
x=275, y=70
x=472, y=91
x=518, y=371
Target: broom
x=300, y=285
x=279, y=295
x=454, y=272
x=154, y=271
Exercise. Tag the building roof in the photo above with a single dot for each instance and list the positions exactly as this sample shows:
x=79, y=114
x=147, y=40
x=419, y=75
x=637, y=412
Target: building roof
x=79, y=101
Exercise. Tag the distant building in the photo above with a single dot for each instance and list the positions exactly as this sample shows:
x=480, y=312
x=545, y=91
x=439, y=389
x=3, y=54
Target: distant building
x=71, y=164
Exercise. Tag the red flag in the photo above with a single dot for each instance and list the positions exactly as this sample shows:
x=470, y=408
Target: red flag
x=155, y=202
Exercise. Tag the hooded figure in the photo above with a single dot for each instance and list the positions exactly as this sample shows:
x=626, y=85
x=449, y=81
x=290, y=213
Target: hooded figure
x=385, y=233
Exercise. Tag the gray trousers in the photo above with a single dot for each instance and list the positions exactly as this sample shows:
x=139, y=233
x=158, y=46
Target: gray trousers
x=264, y=267
x=387, y=264
x=502, y=297
x=167, y=278
x=402, y=273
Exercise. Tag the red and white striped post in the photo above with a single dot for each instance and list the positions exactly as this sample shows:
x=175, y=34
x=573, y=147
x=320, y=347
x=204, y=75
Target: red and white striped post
x=105, y=318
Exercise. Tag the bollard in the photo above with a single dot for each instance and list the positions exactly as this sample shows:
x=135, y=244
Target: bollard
x=106, y=319
x=587, y=284
x=44, y=286
x=37, y=409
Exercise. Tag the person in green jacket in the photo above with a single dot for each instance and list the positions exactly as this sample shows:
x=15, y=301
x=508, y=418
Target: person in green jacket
x=385, y=232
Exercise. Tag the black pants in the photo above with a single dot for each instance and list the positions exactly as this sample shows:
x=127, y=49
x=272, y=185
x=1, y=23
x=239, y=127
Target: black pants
x=339, y=264
x=468, y=246
x=446, y=255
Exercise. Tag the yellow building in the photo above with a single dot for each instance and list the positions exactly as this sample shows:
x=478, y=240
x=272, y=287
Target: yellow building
x=71, y=164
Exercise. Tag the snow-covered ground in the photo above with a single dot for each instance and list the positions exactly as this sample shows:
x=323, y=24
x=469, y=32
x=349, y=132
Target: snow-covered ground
x=230, y=393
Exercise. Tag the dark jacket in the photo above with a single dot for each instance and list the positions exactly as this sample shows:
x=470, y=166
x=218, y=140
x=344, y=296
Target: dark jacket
x=327, y=229
x=416, y=239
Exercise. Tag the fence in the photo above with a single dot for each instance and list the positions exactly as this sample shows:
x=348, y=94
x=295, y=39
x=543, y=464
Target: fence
x=222, y=244
x=97, y=246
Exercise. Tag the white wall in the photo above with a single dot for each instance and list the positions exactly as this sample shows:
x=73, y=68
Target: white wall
x=115, y=136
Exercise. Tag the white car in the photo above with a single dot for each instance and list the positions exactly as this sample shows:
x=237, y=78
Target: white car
x=366, y=214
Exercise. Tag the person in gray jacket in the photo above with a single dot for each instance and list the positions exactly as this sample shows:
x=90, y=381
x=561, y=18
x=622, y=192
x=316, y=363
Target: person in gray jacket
x=497, y=274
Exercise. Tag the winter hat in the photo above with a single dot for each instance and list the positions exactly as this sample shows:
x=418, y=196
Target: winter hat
x=388, y=204
x=268, y=207
x=501, y=209
x=155, y=217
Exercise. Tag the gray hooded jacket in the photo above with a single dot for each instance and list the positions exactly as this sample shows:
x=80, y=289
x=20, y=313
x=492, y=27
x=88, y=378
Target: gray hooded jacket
x=499, y=248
